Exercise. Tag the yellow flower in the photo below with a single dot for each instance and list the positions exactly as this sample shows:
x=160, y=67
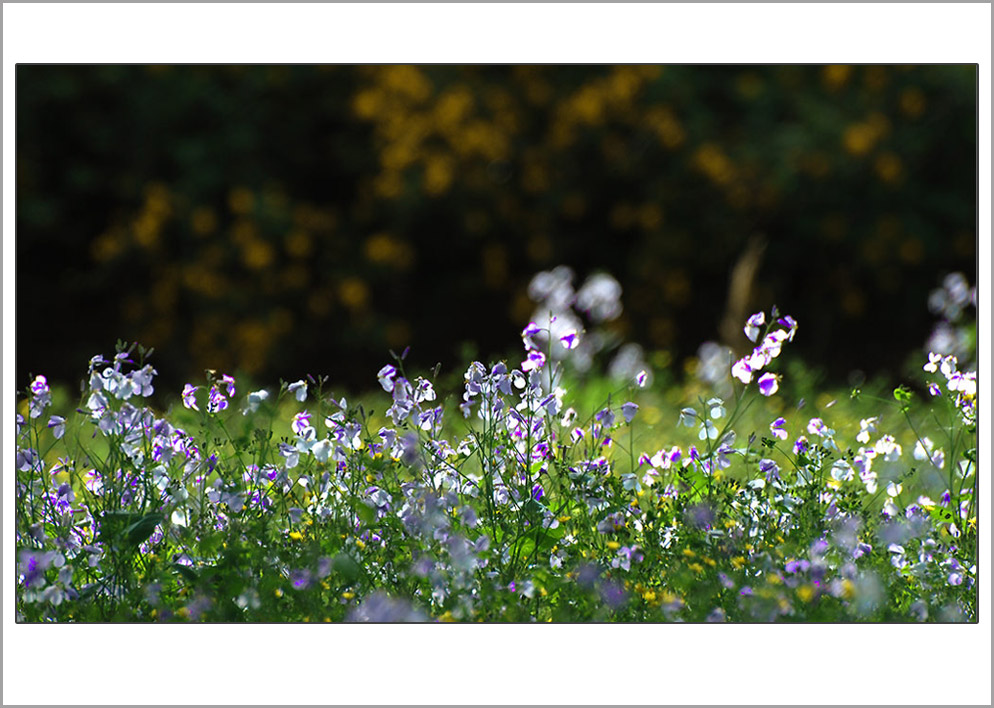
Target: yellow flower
x=806, y=593
x=296, y=535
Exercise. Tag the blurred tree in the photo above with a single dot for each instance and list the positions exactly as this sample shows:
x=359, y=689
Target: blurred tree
x=287, y=219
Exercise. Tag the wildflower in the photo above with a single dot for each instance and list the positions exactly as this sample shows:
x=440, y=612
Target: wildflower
x=640, y=378
x=770, y=470
x=301, y=422
x=708, y=430
x=717, y=408
x=569, y=340
x=216, y=401
x=888, y=447
x=628, y=410
x=291, y=454
x=933, y=361
x=534, y=361
x=842, y=471
x=924, y=451
x=801, y=445
x=423, y=391
x=791, y=324
x=742, y=370
x=688, y=417
x=385, y=377
x=600, y=297
x=605, y=417
x=530, y=331
x=58, y=425
x=777, y=429
x=189, y=400
x=866, y=426
x=768, y=384
x=816, y=426
x=229, y=383
x=39, y=387
x=255, y=398
x=933, y=389
x=299, y=389
x=753, y=324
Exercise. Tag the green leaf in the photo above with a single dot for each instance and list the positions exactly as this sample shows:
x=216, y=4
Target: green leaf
x=139, y=532
x=345, y=565
x=188, y=573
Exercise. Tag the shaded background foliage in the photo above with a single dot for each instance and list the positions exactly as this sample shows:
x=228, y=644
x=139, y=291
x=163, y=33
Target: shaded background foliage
x=276, y=220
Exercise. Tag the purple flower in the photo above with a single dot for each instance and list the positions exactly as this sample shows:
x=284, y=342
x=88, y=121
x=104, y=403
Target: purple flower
x=641, y=378
x=301, y=422
x=605, y=417
x=299, y=389
x=768, y=384
x=742, y=370
x=229, y=382
x=534, y=361
x=216, y=401
x=537, y=492
x=380, y=607
x=753, y=324
x=385, y=377
x=528, y=334
x=791, y=324
x=777, y=428
x=628, y=410
x=570, y=340
x=300, y=579
x=189, y=399
x=39, y=386
x=797, y=566
x=58, y=425
x=770, y=469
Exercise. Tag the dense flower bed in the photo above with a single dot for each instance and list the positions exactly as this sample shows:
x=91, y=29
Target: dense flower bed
x=510, y=506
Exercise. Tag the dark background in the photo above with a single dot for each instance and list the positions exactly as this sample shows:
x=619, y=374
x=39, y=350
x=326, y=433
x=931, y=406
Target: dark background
x=283, y=220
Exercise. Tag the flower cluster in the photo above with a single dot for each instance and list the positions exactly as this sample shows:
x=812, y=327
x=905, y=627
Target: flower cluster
x=765, y=352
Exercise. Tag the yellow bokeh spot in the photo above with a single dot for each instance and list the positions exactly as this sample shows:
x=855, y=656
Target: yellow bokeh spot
x=806, y=593
x=106, y=246
x=241, y=200
x=299, y=244
x=712, y=161
x=439, y=172
x=888, y=167
x=859, y=138
x=613, y=545
x=912, y=102
x=257, y=254
x=354, y=293
x=836, y=76
x=203, y=221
